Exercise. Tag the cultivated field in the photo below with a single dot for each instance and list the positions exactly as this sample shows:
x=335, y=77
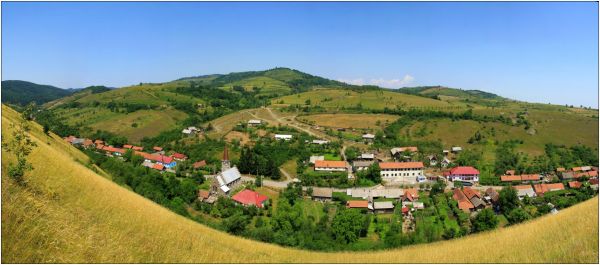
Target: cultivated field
x=342, y=120
x=69, y=214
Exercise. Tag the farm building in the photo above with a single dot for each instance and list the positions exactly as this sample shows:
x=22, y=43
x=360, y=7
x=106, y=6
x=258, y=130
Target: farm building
x=179, y=156
x=383, y=207
x=325, y=165
x=254, y=122
x=367, y=156
x=357, y=204
x=401, y=171
x=463, y=201
x=575, y=184
x=524, y=190
x=368, y=137
x=319, y=142
x=285, y=137
x=399, y=150
x=322, y=194
x=540, y=189
x=359, y=165
x=520, y=178
x=456, y=149
x=250, y=198
x=199, y=164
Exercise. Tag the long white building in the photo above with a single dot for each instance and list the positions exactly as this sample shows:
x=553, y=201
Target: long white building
x=401, y=171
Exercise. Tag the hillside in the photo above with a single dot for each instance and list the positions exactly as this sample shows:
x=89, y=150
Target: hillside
x=67, y=213
x=22, y=92
x=146, y=110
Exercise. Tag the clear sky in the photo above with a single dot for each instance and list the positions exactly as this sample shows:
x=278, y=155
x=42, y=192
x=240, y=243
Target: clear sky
x=538, y=52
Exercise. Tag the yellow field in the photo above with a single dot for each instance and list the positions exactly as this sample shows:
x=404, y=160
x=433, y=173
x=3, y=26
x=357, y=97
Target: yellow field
x=342, y=120
x=69, y=214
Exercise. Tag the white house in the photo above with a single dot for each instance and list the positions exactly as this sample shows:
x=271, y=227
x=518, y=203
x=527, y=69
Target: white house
x=367, y=156
x=401, y=171
x=445, y=162
x=320, y=142
x=285, y=137
x=254, y=122
x=368, y=137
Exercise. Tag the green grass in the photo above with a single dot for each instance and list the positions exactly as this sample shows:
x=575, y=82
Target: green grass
x=337, y=98
x=267, y=85
x=332, y=157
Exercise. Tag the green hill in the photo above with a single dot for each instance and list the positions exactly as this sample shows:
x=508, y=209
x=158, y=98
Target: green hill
x=22, y=92
x=68, y=213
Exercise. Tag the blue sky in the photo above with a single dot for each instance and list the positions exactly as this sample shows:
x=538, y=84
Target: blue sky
x=538, y=52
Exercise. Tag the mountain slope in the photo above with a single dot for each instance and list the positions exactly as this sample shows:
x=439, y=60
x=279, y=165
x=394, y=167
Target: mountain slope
x=68, y=213
x=22, y=92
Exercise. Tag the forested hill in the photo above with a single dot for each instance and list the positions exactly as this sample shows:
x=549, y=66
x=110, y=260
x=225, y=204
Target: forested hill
x=437, y=91
x=22, y=92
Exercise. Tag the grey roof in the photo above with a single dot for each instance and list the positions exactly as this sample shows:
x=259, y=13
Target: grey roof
x=228, y=176
x=358, y=193
x=526, y=192
x=387, y=193
x=568, y=175
x=383, y=205
x=476, y=201
x=360, y=163
x=322, y=192
x=77, y=141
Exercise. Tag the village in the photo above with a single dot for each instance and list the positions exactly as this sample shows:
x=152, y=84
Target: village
x=406, y=186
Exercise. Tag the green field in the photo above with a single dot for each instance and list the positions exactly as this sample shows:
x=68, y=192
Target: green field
x=369, y=99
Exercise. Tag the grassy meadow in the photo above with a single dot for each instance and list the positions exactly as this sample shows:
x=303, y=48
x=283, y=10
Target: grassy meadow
x=67, y=213
x=342, y=120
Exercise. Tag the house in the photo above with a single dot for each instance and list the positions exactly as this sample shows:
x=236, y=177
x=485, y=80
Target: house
x=575, y=184
x=158, y=167
x=541, y=189
x=254, y=122
x=319, y=142
x=326, y=165
x=463, y=202
x=399, y=150
x=322, y=194
x=590, y=174
x=470, y=174
x=357, y=204
x=386, y=193
x=567, y=175
x=520, y=178
x=560, y=169
x=199, y=164
x=433, y=161
x=368, y=137
x=179, y=156
x=157, y=148
x=584, y=168
x=401, y=171
x=524, y=190
x=492, y=196
x=594, y=183
x=445, y=162
x=285, y=137
x=474, y=197
x=137, y=148
x=88, y=143
x=229, y=178
x=203, y=195
x=456, y=149
x=359, y=165
x=383, y=207
x=190, y=130
x=314, y=159
x=250, y=198
x=113, y=150
x=367, y=156
x=412, y=192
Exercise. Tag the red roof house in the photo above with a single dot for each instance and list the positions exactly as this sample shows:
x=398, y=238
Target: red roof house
x=199, y=164
x=357, y=204
x=158, y=167
x=464, y=174
x=400, y=165
x=574, y=184
x=249, y=197
x=179, y=156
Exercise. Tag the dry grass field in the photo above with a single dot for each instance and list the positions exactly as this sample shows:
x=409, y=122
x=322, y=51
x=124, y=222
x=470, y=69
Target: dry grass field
x=69, y=214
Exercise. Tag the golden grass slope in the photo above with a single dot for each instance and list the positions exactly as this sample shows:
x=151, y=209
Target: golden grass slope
x=68, y=213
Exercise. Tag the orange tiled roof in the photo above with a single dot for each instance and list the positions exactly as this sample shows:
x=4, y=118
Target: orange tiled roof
x=330, y=164
x=400, y=165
